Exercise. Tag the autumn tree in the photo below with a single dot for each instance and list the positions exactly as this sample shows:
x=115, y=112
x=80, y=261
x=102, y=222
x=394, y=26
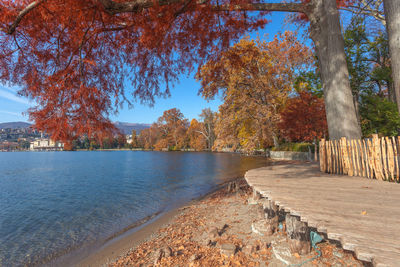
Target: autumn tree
x=208, y=118
x=148, y=137
x=254, y=78
x=74, y=58
x=172, y=126
x=303, y=118
x=135, y=142
x=195, y=135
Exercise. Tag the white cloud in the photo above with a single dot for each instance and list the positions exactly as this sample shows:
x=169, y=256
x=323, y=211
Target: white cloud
x=7, y=94
x=11, y=113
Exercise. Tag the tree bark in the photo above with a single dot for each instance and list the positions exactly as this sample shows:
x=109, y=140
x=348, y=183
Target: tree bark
x=328, y=39
x=392, y=14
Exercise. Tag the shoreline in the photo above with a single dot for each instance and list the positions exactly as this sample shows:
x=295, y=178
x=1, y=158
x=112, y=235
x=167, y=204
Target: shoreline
x=125, y=240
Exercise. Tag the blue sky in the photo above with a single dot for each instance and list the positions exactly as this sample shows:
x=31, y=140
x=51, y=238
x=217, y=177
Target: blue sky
x=183, y=95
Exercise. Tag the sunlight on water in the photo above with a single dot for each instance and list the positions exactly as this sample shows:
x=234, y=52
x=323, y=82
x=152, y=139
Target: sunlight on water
x=54, y=202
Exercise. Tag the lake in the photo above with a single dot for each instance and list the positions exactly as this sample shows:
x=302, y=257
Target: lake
x=52, y=203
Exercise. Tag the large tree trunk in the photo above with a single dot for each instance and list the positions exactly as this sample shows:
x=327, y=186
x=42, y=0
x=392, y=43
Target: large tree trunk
x=392, y=14
x=327, y=36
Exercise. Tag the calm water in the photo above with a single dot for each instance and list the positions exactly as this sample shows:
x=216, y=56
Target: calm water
x=54, y=202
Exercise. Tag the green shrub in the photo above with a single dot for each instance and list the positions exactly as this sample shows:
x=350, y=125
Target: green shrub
x=295, y=147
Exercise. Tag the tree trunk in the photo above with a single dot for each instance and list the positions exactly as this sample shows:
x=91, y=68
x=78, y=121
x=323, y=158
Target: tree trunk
x=327, y=36
x=392, y=14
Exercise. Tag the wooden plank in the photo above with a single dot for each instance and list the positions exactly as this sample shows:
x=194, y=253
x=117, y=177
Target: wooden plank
x=335, y=205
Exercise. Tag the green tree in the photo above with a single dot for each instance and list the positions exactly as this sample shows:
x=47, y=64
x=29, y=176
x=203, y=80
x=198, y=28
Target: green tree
x=379, y=115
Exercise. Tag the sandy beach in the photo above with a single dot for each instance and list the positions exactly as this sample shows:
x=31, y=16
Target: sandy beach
x=213, y=231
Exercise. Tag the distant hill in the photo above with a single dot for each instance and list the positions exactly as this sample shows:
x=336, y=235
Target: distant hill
x=126, y=127
x=15, y=125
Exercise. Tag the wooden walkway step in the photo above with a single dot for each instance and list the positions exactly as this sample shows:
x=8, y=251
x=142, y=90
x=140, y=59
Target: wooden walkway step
x=362, y=214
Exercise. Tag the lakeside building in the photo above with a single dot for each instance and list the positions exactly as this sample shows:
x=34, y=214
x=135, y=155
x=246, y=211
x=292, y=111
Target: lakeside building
x=46, y=144
x=129, y=139
x=8, y=146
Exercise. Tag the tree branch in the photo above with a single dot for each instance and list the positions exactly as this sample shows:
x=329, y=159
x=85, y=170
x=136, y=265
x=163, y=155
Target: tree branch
x=22, y=14
x=114, y=8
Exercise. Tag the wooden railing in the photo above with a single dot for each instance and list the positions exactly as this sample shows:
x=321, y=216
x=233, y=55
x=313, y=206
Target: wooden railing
x=373, y=158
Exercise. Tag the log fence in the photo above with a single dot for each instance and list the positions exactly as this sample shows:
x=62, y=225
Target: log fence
x=374, y=158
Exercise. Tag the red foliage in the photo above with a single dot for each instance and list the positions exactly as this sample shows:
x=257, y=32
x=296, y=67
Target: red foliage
x=304, y=118
x=75, y=59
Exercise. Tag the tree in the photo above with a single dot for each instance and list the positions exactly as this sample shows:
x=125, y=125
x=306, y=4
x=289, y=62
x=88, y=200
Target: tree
x=135, y=142
x=73, y=57
x=392, y=15
x=303, y=118
x=208, y=118
x=195, y=135
x=368, y=8
x=172, y=126
x=378, y=115
x=255, y=79
x=148, y=137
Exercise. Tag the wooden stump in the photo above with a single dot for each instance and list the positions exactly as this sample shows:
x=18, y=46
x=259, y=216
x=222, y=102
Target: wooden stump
x=253, y=200
x=271, y=214
x=233, y=187
x=298, y=235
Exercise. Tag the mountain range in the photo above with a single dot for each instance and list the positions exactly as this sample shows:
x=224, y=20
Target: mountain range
x=124, y=127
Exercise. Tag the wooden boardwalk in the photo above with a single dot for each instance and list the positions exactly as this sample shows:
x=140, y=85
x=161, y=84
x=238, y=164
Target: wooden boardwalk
x=362, y=214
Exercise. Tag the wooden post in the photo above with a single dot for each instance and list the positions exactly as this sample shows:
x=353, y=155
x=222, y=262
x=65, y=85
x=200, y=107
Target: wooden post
x=390, y=158
x=385, y=167
x=340, y=156
x=298, y=235
x=377, y=156
x=356, y=159
x=322, y=157
x=371, y=161
x=396, y=160
x=350, y=151
x=344, y=155
x=362, y=158
x=271, y=215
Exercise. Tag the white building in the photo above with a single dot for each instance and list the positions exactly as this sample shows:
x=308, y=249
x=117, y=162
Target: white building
x=46, y=144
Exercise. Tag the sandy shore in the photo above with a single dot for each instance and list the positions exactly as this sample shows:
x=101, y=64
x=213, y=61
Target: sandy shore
x=213, y=231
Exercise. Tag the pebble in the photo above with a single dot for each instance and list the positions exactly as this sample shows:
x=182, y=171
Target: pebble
x=228, y=249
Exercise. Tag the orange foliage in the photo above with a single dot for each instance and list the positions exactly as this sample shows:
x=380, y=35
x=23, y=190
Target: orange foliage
x=148, y=137
x=75, y=58
x=255, y=78
x=172, y=127
x=304, y=118
x=195, y=133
